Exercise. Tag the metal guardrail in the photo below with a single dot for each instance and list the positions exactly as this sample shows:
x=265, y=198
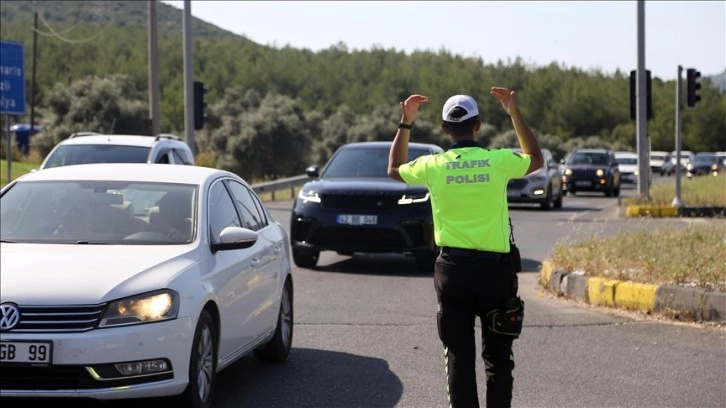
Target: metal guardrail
x=281, y=184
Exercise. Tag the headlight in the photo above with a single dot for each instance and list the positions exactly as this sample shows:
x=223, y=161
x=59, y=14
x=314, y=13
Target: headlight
x=635, y=172
x=714, y=167
x=413, y=198
x=309, y=196
x=146, y=308
x=599, y=172
x=568, y=172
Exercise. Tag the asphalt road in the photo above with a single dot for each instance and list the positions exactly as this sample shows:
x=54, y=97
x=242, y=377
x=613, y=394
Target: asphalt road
x=365, y=335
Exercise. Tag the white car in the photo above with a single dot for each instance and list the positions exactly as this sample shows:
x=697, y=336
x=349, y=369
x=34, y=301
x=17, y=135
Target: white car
x=628, y=165
x=137, y=280
x=91, y=147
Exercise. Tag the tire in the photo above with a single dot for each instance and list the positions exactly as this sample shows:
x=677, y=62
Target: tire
x=547, y=204
x=202, y=365
x=425, y=261
x=305, y=259
x=558, y=201
x=278, y=348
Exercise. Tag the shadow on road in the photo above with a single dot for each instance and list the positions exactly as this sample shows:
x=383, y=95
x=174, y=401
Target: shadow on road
x=310, y=378
x=376, y=264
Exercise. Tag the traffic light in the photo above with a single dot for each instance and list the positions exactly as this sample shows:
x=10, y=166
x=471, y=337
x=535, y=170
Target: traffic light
x=649, y=98
x=199, y=105
x=693, y=84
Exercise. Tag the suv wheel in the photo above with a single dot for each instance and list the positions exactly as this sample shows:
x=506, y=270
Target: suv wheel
x=305, y=259
x=547, y=203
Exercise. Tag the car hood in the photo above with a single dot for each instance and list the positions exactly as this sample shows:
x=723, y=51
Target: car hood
x=41, y=274
x=372, y=185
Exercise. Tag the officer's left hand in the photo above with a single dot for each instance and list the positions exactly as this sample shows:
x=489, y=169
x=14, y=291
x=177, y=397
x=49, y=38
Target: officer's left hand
x=409, y=107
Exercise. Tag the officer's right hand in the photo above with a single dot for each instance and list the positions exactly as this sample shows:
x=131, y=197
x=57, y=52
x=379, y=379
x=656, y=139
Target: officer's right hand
x=506, y=97
x=409, y=107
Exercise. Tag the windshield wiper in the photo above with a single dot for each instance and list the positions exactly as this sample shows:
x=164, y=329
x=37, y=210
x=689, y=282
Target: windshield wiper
x=91, y=243
x=6, y=241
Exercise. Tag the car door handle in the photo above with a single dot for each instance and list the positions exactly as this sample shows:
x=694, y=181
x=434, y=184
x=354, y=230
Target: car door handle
x=277, y=249
x=255, y=262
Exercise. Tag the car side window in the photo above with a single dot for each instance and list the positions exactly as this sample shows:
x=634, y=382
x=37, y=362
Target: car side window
x=222, y=212
x=251, y=216
x=164, y=158
x=178, y=158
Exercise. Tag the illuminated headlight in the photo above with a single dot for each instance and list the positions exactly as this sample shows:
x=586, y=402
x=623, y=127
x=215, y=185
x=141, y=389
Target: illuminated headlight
x=714, y=167
x=538, y=192
x=599, y=172
x=146, y=308
x=635, y=173
x=413, y=198
x=309, y=196
x=568, y=172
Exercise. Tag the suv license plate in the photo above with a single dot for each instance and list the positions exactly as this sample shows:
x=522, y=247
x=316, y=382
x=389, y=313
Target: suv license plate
x=26, y=352
x=582, y=183
x=355, y=219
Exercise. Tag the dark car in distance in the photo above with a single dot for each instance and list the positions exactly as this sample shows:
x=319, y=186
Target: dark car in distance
x=543, y=186
x=353, y=206
x=705, y=164
x=592, y=170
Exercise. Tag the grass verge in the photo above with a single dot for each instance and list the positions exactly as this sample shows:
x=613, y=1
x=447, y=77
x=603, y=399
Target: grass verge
x=17, y=169
x=703, y=191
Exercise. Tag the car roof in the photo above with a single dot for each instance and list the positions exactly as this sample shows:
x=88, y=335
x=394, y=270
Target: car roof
x=162, y=173
x=591, y=150
x=382, y=144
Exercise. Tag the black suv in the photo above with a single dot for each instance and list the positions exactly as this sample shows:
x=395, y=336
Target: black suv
x=592, y=170
x=353, y=206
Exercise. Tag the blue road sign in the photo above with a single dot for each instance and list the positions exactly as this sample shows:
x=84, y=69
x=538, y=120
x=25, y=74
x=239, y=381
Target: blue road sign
x=12, y=78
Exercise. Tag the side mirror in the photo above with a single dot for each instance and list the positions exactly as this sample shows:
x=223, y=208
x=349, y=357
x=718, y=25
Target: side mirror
x=313, y=171
x=235, y=238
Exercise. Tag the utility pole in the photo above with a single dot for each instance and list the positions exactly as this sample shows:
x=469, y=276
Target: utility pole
x=32, y=81
x=677, y=202
x=641, y=110
x=154, y=100
x=188, y=77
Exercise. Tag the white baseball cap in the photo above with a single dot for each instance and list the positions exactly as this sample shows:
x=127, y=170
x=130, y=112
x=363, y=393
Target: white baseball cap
x=465, y=102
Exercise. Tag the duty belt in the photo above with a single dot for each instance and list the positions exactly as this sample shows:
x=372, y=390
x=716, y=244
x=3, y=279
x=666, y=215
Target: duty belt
x=474, y=253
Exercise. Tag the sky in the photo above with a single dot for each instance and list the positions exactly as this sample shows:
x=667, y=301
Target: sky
x=601, y=35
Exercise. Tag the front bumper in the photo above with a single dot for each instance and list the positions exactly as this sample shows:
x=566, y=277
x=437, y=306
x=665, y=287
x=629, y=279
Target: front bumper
x=526, y=191
x=83, y=364
x=403, y=230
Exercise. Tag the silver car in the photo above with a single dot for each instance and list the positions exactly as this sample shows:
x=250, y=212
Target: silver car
x=543, y=186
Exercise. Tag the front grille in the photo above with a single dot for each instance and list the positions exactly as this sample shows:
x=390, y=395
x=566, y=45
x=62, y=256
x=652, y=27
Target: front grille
x=373, y=239
x=583, y=173
x=66, y=319
x=358, y=202
x=517, y=183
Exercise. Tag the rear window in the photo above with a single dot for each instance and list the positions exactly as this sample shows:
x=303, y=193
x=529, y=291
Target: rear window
x=67, y=155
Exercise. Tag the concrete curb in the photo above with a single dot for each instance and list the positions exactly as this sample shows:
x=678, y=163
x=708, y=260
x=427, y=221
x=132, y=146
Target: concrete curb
x=670, y=211
x=666, y=300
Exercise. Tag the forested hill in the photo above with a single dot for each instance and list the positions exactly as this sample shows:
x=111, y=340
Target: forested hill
x=92, y=73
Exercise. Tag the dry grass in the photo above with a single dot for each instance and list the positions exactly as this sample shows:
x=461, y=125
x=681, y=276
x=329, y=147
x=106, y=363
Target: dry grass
x=693, y=255
x=697, y=191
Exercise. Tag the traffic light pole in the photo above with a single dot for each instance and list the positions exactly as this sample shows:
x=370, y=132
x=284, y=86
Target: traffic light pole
x=677, y=202
x=641, y=110
x=188, y=77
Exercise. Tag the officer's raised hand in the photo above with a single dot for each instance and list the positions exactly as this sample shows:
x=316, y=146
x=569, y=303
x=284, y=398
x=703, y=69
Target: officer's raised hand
x=409, y=108
x=507, y=98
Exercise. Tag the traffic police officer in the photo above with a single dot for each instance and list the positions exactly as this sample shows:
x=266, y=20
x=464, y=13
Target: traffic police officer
x=473, y=274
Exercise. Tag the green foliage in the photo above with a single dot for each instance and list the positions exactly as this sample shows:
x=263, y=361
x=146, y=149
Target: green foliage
x=309, y=103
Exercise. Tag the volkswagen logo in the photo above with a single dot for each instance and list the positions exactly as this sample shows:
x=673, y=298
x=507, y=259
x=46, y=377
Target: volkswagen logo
x=9, y=316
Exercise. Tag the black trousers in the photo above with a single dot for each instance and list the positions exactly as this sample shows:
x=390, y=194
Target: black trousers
x=467, y=287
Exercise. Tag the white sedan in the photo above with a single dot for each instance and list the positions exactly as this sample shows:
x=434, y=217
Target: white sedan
x=137, y=280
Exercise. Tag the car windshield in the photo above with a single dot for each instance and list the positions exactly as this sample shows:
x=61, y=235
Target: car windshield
x=658, y=156
x=706, y=159
x=66, y=155
x=364, y=162
x=626, y=160
x=588, y=158
x=98, y=212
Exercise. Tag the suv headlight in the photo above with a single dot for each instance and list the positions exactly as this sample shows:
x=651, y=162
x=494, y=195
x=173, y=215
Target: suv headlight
x=413, y=198
x=148, y=307
x=599, y=172
x=309, y=196
x=568, y=172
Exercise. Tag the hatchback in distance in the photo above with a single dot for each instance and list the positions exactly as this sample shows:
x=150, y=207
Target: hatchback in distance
x=592, y=170
x=353, y=206
x=137, y=280
x=90, y=147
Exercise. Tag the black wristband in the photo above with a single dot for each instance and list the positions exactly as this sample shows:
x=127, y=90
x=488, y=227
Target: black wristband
x=405, y=126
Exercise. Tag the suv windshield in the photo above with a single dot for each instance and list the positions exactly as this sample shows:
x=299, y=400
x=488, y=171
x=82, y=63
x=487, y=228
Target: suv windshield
x=368, y=162
x=83, y=154
x=588, y=158
x=98, y=212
